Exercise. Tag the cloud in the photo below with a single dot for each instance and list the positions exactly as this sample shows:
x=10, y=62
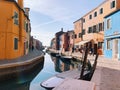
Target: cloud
x=51, y=8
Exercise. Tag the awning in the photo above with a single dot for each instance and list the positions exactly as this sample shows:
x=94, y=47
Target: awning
x=82, y=42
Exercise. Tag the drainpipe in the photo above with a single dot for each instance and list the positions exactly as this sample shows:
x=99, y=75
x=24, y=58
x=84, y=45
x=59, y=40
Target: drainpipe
x=20, y=3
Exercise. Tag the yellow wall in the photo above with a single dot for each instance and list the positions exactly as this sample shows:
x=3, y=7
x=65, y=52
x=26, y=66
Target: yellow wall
x=9, y=31
x=77, y=30
x=97, y=37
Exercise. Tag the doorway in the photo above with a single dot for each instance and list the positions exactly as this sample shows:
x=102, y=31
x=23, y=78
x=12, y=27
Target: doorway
x=115, y=49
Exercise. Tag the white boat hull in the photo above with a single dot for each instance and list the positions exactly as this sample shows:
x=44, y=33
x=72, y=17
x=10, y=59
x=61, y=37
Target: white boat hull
x=52, y=82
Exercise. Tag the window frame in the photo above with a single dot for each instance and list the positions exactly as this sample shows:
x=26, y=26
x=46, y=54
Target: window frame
x=100, y=25
x=90, y=16
x=16, y=18
x=94, y=28
x=15, y=43
x=80, y=35
x=83, y=20
x=108, y=24
x=83, y=32
x=108, y=44
x=101, y=11
x=112, y=4
x=95, y=14
x=90, y=30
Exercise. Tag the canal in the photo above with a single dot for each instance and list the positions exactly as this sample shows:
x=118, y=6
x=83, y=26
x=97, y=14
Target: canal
x=47, y=68
x=52, y=66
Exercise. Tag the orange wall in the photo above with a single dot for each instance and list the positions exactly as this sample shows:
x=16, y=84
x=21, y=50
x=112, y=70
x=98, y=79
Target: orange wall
x=9, y=31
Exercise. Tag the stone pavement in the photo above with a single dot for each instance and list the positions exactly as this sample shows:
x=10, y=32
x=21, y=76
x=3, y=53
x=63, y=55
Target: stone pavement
x=74, y=84
x=106, y=75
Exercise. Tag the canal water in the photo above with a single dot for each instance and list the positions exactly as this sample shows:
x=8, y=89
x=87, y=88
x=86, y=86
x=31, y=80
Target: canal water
x=49, y=67
x=52, y=66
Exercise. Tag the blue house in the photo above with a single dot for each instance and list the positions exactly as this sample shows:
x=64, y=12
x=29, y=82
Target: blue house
x=112, y=35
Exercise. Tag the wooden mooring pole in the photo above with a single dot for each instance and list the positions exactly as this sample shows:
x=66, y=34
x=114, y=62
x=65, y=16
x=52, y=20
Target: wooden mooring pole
x=84, y=63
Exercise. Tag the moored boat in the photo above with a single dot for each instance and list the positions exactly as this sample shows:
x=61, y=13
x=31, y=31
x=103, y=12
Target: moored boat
x=66, y=57
x=52, y=82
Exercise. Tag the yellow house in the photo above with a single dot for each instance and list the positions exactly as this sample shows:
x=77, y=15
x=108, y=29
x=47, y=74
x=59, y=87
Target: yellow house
x=91, y=25
x=12, y=29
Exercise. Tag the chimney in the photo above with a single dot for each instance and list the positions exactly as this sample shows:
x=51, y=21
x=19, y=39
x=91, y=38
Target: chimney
x=27, y=11
x=62, y=29
x=20, y=3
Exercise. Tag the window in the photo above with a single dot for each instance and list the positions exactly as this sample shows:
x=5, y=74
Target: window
x=75, y=36
x=101, y=10
x=15, y=17
x=83, y=32
x=108, y=44
x=90, y=30
x=100, y=44
x=95, y=14
x=103, y=26
x=72, y=36
x=94, y=29
x=90, y=17
x=83, y=20
x=108, y=24
x=100, y=27
x=26, y=26
x=112, y=5
x=15, y=43
x=80, y=35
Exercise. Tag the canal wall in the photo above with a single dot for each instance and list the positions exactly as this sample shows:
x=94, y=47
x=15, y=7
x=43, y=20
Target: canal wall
x=21, y=69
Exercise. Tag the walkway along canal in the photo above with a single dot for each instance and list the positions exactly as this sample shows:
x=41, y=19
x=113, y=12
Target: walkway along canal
x=17, y=74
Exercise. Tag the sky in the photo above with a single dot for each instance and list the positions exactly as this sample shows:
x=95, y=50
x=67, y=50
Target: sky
x=49, y=16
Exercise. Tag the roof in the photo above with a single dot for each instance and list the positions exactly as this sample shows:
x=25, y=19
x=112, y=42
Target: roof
x=91, y=11
x=13, y=1
x=77, y=20
x=112, y=13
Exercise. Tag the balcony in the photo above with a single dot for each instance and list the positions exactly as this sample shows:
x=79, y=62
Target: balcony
x=98, y=37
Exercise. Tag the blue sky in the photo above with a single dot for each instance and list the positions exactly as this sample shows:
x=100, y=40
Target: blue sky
x=49, y=16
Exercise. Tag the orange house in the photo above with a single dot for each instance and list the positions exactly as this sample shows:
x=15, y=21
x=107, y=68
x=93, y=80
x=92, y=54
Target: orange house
x=78, y=31
x=12, y=29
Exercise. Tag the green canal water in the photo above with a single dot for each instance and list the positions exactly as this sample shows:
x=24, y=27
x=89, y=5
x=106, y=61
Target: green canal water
x=49, y=67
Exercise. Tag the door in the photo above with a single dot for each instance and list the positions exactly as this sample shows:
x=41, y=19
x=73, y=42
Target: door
x=115, y=53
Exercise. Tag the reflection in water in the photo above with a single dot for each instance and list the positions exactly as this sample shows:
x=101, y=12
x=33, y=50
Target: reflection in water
x=64, y=64
x=22, y=82
x=49, y=67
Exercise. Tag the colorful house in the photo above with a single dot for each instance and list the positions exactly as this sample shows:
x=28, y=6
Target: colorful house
x=78, y=26
x=52, y=45
x=58, y=40
x=28, y=30
x=70, y=39
x=64, y=42
x=37, y=44
x=91, y=25
x=13, y=29
x=112, y=35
